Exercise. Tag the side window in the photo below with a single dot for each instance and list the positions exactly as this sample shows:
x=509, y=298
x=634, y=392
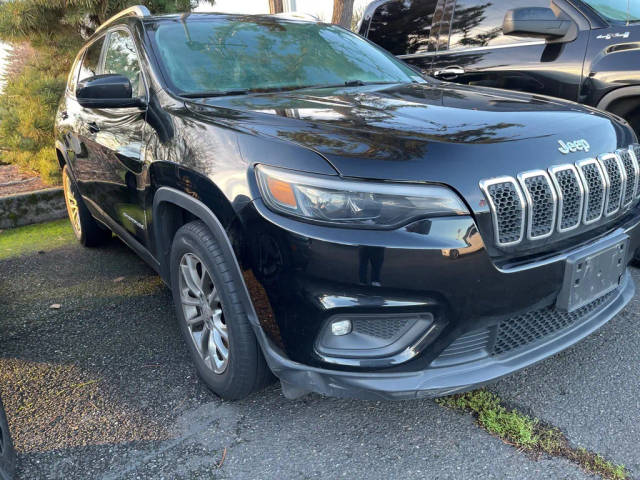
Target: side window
x=404, y=26
x=121, y=58
x=91, y=60
x=478, y=23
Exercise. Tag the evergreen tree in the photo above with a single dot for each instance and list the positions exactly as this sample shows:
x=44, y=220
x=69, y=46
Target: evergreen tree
x=55, y=29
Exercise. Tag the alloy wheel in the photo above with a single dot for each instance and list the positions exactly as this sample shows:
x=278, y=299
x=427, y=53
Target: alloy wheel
x=73, y=208
x=203, y=313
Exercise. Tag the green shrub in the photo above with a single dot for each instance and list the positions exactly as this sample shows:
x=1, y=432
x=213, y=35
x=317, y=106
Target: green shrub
x=29, y=102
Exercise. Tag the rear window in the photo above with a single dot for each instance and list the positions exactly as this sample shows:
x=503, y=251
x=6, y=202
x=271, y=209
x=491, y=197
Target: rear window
x=617, y=10
x=403, y=27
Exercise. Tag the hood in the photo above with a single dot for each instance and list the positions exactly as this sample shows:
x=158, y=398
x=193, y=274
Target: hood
x=444, y=133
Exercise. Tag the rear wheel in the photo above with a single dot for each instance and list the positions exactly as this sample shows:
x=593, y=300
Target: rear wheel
x=87, y=230
x=7, y=454
x=212, y=319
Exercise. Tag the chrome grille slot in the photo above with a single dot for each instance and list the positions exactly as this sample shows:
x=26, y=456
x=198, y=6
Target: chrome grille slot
x=594, y=184
x=631, y=171
x=615, y=180
x=570, y=196
x=634, y=150
x=507, y=207
x=541, y=203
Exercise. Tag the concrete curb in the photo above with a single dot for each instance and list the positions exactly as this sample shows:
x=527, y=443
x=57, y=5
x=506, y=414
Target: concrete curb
x=32, y=207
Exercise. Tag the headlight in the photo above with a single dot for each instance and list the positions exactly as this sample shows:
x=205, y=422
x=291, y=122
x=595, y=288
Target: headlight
x=337, y=201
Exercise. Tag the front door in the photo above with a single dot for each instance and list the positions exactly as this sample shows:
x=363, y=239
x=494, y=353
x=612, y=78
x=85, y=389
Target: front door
x=113, y=137
x=477, y=52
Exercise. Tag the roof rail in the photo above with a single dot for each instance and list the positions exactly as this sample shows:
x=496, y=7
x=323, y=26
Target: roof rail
x=136, y=11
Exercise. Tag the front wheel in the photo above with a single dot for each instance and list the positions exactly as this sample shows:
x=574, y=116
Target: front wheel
x=86, y=229
x=211, y=317
x=7, y=453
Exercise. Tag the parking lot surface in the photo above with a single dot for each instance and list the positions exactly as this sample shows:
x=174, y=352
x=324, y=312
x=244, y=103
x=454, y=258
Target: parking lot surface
x=102, y=387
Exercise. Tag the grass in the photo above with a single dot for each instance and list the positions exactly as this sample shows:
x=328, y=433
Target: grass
x=34, y=238
x=529, y=434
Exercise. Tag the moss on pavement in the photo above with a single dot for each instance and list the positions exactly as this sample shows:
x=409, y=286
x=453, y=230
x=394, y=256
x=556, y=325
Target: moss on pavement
x=34, y=238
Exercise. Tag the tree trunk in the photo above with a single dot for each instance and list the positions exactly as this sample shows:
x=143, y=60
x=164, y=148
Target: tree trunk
x=342, y=13
x=275, y=6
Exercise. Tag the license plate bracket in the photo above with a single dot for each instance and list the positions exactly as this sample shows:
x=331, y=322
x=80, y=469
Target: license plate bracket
x=593, y=272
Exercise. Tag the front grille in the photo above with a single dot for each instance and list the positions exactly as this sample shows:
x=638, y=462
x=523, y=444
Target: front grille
x=385, y=328
x=563, y=198
x=529, y=327
x=616, y=181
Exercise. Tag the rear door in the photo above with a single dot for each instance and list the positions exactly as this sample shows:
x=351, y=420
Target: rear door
x=477, y=52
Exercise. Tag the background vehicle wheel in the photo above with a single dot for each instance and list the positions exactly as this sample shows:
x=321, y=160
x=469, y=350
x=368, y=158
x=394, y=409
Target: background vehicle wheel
x=211, y=317
x=87, y=230
x=7, y=454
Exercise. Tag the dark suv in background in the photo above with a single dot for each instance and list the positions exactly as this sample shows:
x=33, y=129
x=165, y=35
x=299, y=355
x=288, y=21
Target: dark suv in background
x=585, y=51
x=313, y=201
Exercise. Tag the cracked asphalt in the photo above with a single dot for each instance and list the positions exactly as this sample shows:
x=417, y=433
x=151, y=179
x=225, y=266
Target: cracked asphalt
x=103, y=388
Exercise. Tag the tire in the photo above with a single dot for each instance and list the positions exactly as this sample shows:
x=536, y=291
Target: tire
x=212, y=319
x=86, y=229
x=7, y=453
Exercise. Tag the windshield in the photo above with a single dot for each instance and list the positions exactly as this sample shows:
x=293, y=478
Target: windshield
x=617, y=10
x=235, y=54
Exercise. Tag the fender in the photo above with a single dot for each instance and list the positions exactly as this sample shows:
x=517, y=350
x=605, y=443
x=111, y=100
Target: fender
x=617, y=94
x=197, y=208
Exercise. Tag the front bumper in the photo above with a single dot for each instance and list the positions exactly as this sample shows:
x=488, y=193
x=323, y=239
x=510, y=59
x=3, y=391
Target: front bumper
x=298, y=379
x=439, y=268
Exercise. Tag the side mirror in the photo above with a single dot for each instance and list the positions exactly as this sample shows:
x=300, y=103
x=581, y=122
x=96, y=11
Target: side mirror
x=535, y=22
x=107, y=91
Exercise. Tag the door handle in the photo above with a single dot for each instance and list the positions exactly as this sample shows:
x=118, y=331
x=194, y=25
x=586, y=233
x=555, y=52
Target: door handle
x=449, y=72
x=93, y=127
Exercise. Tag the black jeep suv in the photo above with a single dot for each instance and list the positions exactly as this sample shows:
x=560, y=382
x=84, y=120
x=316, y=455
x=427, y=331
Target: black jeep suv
x=581, y=50
x=324, y=213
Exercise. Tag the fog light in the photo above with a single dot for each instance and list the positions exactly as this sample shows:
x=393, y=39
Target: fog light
x=341, y=327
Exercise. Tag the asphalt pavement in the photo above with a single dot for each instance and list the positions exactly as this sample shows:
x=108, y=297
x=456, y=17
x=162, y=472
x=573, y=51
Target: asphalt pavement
x=103, y=388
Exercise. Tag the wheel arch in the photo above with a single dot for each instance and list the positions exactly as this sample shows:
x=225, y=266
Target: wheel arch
x=61, y=154
x=622, y=101
x=168, y=204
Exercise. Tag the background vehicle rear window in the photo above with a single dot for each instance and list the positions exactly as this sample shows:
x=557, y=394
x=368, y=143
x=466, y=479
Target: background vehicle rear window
x=478, y=23
x=403, y=27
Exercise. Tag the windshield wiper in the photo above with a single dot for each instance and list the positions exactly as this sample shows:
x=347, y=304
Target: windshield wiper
x=221, y=93
x=246, y=91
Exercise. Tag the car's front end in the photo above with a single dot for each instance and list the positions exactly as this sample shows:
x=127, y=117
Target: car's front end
x=451, y=264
